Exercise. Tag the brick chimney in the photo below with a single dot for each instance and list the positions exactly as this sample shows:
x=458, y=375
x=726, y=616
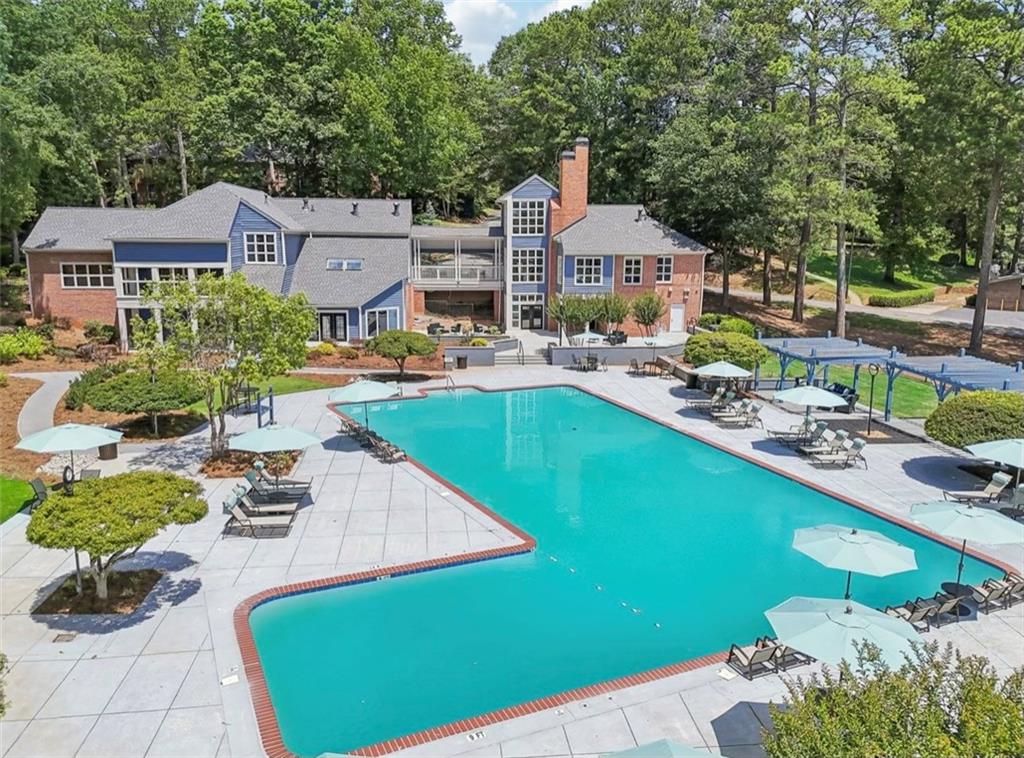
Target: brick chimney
x=573, y=177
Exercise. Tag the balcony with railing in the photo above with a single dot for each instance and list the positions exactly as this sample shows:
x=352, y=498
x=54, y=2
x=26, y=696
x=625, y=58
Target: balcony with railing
x=457, y=264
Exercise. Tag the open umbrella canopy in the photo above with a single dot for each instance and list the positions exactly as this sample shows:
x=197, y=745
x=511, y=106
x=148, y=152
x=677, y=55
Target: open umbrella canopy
x=273, y=438
x=69, y=437
x=860, y=550
x=661, y=749
x=1010, y=452
x=827, y=630
x=363, y=391
x=588, y=336
x=963, y=521
x=722, y=370
x=808, y=394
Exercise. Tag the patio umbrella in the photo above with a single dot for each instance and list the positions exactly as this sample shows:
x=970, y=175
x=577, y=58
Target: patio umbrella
x=722, y=370
x=661, y=749
x=827, y=629
x=587, y=336
x=849, y=549
x=964, y=521
x=364, y=391
x=1010, y=452
x=273, y=438
x=67, y=438
x=810, y=396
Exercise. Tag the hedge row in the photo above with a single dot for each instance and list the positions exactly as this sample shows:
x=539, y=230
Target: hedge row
x=973, y=417
x=738, y=349
x=902, y=299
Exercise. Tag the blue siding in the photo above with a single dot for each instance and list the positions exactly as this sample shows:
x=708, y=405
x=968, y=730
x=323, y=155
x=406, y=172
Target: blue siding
x=569, y=277
x=392, y=297
x=170, y=252
x=354, y=327
x=249, y=220
x=520, y=288
x=534, y=189
x=292, y=246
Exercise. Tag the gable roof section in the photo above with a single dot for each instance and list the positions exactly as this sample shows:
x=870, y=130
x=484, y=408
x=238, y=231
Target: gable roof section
x=79, y=228
x=614, y=229
x=528, y=180
x=385, y=262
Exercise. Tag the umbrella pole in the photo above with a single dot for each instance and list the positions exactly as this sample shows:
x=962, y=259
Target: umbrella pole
x=78, y=566
x=849, y=578
x=960, y=568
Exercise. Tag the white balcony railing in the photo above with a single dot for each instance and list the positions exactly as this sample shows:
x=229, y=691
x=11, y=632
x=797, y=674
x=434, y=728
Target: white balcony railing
x=457, y=274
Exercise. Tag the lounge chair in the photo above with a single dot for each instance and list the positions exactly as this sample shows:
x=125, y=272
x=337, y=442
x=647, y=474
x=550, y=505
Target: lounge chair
x=706, y=402
x=253, y=508
x=826, y=446
x=577, y=363
x=385, y=450
x=40, y=493
x=785, y=656
x=917, y=615
x=261, y=471
x=990, y=595
x=947, y=607
x=806, y=436
x=264, y=491
x=845, y=457
x=257, y=524
x=992, y=491
x=749, y=417
x=752, y=660
x=736, y=409
x=1014, y=584
x=634, y=368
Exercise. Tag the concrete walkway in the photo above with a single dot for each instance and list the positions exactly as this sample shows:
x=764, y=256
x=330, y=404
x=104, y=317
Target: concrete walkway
x=37, y=413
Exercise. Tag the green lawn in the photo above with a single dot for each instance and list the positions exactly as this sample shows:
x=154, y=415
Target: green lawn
x=14, y=494
x=911, y=399
x=866, y=276
x=283, y=385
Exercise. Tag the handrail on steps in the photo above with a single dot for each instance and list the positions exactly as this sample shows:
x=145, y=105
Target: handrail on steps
x=449, y=383
x=521, y=353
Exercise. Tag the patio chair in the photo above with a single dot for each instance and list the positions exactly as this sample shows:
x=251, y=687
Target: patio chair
x=826, y=446
x=257, y=524
x=261, y=471
x=264, y=491
x=947, y=607
x=752, y=660
x=1014, y=584
x=577, y=363
x=990, y=595
x=806, y=436
x=737, y=409
x=253, y=508
x=785, y=656
x=918, y=616
x=991, y=492
x=706, y=402
x=40, y=493
x=384, y=450
x=846, y=457
x=634, y=368
x=604, y=365
x=749, y=417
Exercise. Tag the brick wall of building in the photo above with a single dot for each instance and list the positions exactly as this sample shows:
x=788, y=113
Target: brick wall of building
x=687, y=275
x=50, y=298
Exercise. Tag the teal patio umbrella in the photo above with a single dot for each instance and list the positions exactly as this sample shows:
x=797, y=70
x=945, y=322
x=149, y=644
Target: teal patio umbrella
x=722, y=370
x=849, y=550
x=661, y=749
x=964, y=521
x=364, y=391
x=586, y=336
x=1010, y=452
x=68, y=438
x=273, y=438
x=810, y=396
x=827, y=629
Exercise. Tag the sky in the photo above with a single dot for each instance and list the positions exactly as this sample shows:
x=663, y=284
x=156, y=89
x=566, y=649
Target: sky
x=483, y=22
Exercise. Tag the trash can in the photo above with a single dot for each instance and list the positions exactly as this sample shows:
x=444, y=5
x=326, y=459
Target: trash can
x=108, y=452
x=461, y=361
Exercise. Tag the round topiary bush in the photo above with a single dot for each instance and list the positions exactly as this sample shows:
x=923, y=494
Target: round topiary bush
x=347, y=353
x=974, y=417
x=738, y=349
x=138, y=392
x=324, y=348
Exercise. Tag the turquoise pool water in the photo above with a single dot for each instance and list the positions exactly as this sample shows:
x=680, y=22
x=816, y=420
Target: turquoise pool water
x=653, y=548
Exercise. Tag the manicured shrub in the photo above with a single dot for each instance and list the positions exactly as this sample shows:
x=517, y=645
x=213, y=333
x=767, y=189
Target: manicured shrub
x=737, y=325
x=78, y=391
x=901, y=299
x=400, y=346
x=99, y=333
x=23, y=343
x=478, y=342
x=708, y=320
x=973, y=417
x=142, y=392
x=44, y=330
x=324, y=348
x=347, y=353
x=738, y=349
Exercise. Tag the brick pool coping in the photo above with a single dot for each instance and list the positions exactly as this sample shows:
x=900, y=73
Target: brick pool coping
x=266, y=717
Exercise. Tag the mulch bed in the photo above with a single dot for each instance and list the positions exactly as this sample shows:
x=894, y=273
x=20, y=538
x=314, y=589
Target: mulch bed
x=126, y=589
x=17, y=463
x=234, y=464
x=434, y=362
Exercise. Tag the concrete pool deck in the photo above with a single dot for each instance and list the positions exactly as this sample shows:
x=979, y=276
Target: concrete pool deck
x=163, y=681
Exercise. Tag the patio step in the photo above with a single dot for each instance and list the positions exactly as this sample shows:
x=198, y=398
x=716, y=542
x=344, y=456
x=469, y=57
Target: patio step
x=512, y=359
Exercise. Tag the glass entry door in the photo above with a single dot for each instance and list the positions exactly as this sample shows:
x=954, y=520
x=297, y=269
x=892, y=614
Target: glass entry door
x=334, y=326
x=531, y=316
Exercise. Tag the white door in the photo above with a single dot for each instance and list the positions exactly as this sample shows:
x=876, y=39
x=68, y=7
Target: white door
x=676, y=319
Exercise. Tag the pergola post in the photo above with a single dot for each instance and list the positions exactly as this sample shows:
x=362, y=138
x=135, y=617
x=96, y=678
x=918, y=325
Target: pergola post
x=892, y=372
x=856, y=376
x=784, y=361
x=812, y=365
x=824, y=374
x=757, y=376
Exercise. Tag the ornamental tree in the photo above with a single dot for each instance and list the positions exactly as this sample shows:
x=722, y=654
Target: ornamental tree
x=228, y=331
x=400, y=345
x=143, y=392
x=111, y=518
x=614, y=310
x=648, y=309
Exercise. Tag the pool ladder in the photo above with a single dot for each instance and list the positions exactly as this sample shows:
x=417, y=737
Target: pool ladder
x=449, y=383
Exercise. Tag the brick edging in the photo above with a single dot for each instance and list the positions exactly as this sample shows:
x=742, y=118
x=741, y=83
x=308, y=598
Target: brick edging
x=266, y=717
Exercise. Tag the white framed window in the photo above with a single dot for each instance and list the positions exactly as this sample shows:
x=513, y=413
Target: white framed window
x=172, y=274
x=132, y=281
x=528, y=311
x=527, y=264
x=378, y=320
x=632, y=270
x=260, y=247
x=344, y=264
x=588, y=271
x=212, y=271
x=528, y=217
x=663, y=272
x=87, y=275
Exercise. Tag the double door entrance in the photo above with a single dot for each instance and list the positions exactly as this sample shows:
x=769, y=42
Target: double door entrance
x=334, y=326
x=531, y=316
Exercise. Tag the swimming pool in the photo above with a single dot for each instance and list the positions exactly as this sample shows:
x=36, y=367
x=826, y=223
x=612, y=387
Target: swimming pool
x=652, y=548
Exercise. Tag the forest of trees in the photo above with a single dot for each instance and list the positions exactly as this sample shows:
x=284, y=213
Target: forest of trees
x=773, y=127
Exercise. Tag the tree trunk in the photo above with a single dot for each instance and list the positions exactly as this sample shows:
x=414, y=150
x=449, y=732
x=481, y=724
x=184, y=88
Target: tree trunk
x=889, y=275
x=100, y=196
x=156, y=430
x=401, y=367
x=841, y=282
x=126, y=187
x=99, y=574
x=766, y=278
x=961, y=234
x=725, y=279
x=995, y=196
x=1018, y=241
x=16, y=247
x=801, y=270
x=182, y=161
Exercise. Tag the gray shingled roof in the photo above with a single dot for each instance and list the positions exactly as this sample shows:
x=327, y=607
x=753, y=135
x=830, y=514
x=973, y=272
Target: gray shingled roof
x=270, y=277
x=79, y=228
x=488, y=228
x=334, y=215
x=614, y=229
x=385, y=261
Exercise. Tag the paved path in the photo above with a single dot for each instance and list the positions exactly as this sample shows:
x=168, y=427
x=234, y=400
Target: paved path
x=37, y=413
x=1008, y=322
